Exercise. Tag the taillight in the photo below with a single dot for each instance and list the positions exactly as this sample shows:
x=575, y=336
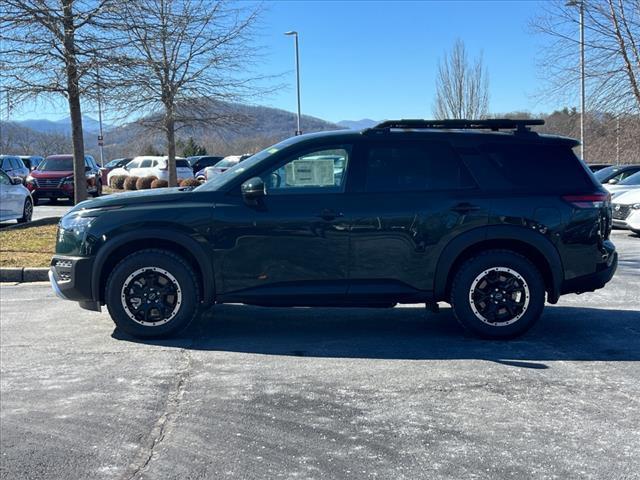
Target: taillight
x=592, y=200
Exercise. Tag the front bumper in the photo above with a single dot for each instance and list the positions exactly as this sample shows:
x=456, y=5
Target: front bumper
x=52, y=193
x=70, y=279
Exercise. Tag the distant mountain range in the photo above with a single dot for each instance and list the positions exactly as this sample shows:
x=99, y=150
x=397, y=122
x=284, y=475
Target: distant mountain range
x=63, y=126
x=254, y=128
x=358, y=124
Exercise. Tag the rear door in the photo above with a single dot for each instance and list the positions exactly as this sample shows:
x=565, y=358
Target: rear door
x=415, y=197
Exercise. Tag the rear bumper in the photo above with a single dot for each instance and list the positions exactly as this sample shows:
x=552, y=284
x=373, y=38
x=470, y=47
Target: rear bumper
x=593, y=281
x=70, y=279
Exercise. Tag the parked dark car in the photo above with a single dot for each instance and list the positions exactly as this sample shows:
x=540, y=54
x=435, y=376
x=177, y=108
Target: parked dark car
x=111, y=165
x=202, y=161
x=53, y=179
x=409, y=211
x=13, y=166
x=31, y=161
x=615, y=173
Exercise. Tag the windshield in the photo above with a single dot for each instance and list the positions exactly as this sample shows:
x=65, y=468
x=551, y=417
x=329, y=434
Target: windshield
x=605, y=173
x=113, y=163
x=56, y=164
x=220, y=181
x=226, y=163
x=631, y=180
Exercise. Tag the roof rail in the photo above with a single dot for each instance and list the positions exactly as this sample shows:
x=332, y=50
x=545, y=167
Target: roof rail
x=494, y=124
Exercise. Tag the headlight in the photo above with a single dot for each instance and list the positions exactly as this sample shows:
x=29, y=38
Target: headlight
x=75, y=223
x=636, y=206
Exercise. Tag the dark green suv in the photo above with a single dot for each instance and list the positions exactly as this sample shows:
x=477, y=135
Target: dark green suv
x=485, y=215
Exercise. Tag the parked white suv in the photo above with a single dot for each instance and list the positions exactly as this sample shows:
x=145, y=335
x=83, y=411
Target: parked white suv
x=148, y=166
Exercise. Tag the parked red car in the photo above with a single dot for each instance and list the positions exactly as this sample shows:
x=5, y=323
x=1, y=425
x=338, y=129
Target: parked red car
x=53, y=178
x=115, y=163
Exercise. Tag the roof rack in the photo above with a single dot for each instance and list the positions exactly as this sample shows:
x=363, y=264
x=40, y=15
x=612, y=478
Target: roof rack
x=494, y=124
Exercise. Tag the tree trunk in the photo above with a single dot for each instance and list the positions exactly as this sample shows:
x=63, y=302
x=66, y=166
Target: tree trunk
x=170, y=129
x=79, y=172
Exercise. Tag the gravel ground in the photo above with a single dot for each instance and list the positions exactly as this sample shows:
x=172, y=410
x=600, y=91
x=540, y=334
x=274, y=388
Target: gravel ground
x=250, y=392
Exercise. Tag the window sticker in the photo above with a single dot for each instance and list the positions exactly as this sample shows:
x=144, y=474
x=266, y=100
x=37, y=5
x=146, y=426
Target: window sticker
x=303, y=173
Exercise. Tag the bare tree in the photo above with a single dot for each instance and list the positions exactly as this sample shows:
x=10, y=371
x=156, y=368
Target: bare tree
x=46, y=48
x=612, y=54
x=462, y=86
x=181, y=61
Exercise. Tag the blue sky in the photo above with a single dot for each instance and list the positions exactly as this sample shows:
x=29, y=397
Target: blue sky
x=364, y=59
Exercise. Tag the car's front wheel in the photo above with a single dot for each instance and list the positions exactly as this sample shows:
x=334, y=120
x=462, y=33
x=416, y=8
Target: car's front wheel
x=498, y=294
x=27, y=211
x=152, y=293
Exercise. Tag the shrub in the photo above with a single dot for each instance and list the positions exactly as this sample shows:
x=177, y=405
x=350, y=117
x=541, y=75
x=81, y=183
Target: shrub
x=144, y=183
x=130, y=183
x=159, y=183
x=117, y=181
x=189, y=182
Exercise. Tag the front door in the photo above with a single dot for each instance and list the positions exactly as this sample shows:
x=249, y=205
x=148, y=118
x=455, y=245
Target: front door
x=294, y=243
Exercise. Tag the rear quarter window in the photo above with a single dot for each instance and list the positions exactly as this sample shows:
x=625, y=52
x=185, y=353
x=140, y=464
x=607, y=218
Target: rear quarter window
x=530, y=167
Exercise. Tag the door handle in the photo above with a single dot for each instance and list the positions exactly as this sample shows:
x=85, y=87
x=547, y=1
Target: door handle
x=329, y=215
x=465, y=208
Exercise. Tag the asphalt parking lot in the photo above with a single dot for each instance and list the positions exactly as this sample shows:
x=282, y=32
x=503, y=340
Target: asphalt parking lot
x=254, y=393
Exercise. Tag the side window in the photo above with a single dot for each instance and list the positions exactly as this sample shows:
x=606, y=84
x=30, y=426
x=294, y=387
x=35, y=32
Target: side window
x=4, y=179
x=19, y=163
x=321, y=171
x=425, y=166
x=155, y=163
x=145, y=163
x=133, y=164
x=531, y=167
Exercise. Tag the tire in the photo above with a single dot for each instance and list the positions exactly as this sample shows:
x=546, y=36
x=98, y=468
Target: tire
x=498, y=294
x=27, y=211
x=98, y=191
x=163, y=279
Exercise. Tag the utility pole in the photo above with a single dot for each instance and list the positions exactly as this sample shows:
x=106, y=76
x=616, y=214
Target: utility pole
x=580, y=5
x=295, y=34
x=100, y=136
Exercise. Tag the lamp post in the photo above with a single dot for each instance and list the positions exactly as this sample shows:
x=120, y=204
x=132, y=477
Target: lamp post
x=580, y=5
x=295, y=34
x=100, y=135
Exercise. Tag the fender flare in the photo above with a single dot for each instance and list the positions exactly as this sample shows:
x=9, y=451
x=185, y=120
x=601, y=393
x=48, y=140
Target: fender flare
x=468, y=239
x=182, y=239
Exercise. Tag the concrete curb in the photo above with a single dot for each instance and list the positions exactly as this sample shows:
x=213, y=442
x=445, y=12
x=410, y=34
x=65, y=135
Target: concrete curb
x=24, y=274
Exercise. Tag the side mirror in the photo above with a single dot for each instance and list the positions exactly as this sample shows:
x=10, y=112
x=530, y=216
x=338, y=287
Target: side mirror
x=613, y=181
x=253, y=189
x=17, y=181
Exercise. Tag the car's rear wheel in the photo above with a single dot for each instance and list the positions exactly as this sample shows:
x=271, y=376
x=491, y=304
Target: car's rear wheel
x=498, y=294
x=152, y=293
x=27, y=211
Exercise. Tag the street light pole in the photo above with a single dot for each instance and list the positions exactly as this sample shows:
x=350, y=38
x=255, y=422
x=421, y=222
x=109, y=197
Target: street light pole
x=582, y=102
x=580, y=5
x=101, y=137
x=295, y=34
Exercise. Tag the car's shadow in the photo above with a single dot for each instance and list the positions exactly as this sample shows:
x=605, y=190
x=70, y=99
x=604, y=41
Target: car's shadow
x=563, y=333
